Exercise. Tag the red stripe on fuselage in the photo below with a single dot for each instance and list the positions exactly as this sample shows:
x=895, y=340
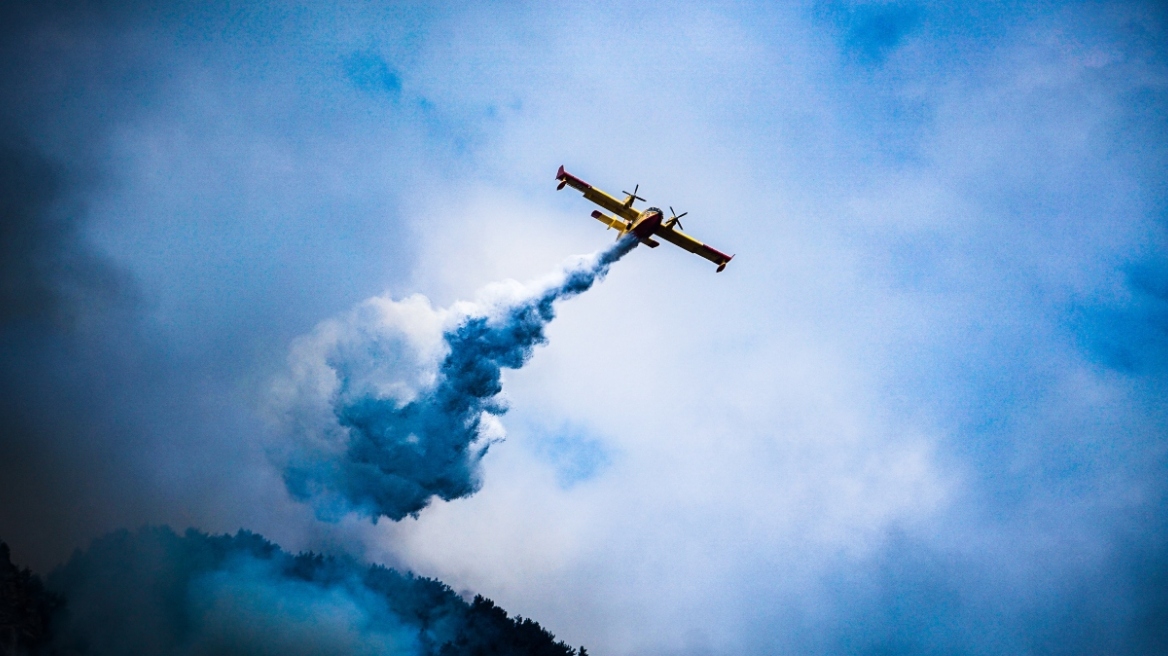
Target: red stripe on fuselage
x=646, y=225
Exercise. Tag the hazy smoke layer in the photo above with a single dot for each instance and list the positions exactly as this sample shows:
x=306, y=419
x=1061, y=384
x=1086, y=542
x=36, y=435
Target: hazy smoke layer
x=394, y=403
x=155, y=592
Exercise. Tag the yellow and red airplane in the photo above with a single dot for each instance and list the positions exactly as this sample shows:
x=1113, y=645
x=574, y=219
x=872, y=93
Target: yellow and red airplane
x=644, y=224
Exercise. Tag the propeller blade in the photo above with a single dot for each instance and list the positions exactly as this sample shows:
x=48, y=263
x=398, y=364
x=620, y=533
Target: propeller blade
x=676, y=218
x=634, y=194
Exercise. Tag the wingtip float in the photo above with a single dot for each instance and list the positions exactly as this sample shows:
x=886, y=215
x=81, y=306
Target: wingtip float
x=643, y=224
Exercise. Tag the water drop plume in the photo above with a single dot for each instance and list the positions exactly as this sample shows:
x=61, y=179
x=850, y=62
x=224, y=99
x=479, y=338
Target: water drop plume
x=396, y=402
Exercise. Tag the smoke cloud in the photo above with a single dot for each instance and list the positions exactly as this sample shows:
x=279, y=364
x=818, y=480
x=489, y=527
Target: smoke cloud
x=396, y=403
x=152, y=591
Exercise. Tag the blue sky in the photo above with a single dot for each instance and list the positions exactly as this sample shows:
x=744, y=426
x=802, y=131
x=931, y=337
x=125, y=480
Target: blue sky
x=922, y=411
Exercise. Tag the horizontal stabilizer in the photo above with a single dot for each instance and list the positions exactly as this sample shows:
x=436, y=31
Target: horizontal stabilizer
x=609, y=221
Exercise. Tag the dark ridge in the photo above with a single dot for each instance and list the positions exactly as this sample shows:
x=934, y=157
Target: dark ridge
x=152, y=591
x=25, y=608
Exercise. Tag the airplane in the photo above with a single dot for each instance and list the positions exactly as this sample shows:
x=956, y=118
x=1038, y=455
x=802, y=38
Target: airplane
x=644, y=225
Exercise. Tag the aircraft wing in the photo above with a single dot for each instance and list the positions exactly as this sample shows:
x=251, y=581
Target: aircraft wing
x=597, y=196
x=692, y=245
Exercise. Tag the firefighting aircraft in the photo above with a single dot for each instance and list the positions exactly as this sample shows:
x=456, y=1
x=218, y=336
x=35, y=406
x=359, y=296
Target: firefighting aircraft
x=643, y=224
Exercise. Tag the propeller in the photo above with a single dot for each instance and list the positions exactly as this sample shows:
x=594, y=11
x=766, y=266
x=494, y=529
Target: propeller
x=634, y=194
x=676, y=218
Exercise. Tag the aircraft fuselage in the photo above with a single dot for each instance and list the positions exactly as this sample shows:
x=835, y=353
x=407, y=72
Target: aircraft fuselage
x=647, y=223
